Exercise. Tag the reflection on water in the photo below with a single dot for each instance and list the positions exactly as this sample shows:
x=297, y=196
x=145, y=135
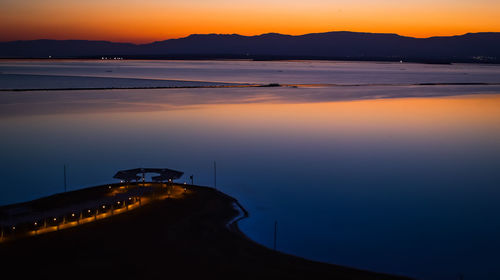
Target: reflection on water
x=283, y=72
x=405, y=186
x=354, y=175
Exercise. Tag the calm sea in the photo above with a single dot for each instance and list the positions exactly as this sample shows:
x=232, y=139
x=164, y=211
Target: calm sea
x=383, y=166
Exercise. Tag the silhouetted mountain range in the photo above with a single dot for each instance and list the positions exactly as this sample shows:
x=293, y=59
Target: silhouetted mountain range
x=471, y=47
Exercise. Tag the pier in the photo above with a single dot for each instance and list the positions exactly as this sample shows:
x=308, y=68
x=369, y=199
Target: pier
x=62, y=211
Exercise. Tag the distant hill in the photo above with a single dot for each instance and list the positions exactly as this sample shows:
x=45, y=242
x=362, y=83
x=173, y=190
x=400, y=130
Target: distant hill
x=471, y=47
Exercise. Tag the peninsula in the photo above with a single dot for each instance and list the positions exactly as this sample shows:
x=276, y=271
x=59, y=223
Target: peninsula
x=146, y=230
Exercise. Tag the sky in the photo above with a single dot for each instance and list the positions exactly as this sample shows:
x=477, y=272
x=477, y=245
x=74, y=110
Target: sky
x=143, y=21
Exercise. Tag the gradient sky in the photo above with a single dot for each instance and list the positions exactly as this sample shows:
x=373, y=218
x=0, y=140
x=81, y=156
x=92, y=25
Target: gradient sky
x=152, y=20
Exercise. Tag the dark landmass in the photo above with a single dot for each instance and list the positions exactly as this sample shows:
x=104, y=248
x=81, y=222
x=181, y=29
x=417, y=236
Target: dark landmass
x=29, y=82
x=184, y=238
x=471, y=47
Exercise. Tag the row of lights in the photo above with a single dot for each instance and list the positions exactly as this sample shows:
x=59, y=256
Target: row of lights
x=112, y=58
x=73, y=214
x=89, y=211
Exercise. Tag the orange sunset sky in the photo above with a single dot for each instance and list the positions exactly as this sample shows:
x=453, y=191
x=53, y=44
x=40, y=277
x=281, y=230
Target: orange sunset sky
x=153, y=20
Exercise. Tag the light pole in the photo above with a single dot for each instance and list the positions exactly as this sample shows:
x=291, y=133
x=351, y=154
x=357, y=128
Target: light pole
x=65, y=184
x=275, y=230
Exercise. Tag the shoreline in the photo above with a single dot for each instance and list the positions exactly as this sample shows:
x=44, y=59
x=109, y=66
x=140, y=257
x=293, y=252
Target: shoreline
x=319, y=85
x=190, y=236
x=264, y=58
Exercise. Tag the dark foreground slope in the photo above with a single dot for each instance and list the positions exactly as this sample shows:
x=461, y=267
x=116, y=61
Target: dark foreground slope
x=472, y=47
x=185, y=238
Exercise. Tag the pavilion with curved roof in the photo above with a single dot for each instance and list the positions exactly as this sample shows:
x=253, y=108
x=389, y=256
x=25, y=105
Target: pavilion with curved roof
x=138, y=174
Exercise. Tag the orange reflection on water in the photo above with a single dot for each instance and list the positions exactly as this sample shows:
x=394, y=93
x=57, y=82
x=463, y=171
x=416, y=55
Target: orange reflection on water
x=413, y=116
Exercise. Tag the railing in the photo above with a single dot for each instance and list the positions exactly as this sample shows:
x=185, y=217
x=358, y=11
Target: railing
x=98, y=212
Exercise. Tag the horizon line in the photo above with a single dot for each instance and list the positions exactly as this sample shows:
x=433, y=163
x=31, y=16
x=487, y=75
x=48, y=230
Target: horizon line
x=256, y=35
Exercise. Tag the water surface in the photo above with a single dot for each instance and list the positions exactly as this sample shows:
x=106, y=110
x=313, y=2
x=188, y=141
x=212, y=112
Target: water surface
x=395, y=178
